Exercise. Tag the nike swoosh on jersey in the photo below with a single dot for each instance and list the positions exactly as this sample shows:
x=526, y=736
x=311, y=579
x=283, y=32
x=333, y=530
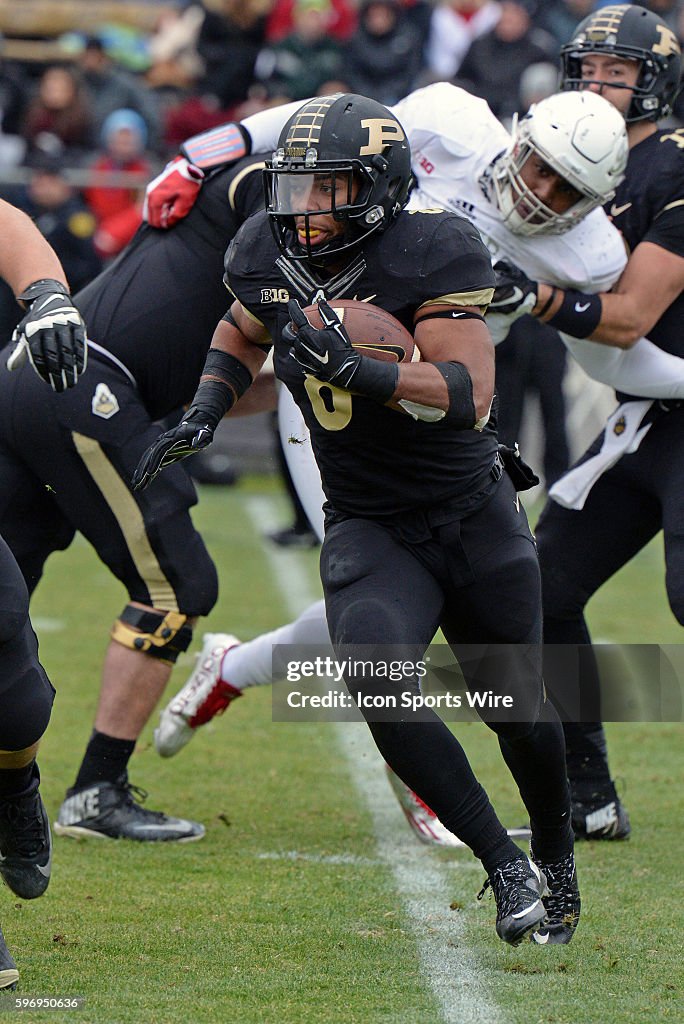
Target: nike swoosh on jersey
x=615, y=211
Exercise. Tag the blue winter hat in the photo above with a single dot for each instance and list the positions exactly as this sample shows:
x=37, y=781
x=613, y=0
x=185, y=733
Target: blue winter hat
x=124, y=118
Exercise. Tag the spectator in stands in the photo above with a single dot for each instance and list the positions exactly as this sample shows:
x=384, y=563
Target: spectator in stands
x=111, y=88
x=453, y=27
x=13, y=96
x=280, y=21
x=60, y=116
x=62, y=217
x=230, y=38
x=299, y=65
x=383, y=57
x=561, y=17
x=118, y=208
x=175, y=65
x=197, y=112
x=494, y=63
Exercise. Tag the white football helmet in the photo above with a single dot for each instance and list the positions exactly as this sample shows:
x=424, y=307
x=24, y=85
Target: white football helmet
x=582, y=137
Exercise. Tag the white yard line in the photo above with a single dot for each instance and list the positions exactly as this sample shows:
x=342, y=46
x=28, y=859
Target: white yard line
x=452, y=971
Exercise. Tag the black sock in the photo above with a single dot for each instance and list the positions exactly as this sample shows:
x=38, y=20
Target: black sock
x=494, y=846
x=15, y=781
x=430, y=760
x=105, y=760
x=586, y=756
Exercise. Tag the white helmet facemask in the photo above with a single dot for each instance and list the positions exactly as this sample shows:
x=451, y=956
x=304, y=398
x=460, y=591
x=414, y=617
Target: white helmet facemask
x=582, y=137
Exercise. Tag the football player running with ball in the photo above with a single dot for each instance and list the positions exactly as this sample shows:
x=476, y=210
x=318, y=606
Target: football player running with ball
x=422, y=524
x=536, y=200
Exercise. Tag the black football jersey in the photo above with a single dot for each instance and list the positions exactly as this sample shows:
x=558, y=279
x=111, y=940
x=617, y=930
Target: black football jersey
x=649, y=207
x=157, y=306
x=375, y=461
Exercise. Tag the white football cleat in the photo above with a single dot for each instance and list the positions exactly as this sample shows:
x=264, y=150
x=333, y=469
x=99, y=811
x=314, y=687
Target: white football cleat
x=204, y=696
x=425, y=823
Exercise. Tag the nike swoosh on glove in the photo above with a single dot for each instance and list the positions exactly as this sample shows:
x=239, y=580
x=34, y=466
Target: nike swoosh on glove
x=514, y=292
x=325, y=352
x=190, y=436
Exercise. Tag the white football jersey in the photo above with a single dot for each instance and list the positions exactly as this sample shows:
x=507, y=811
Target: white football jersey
x=454, y=138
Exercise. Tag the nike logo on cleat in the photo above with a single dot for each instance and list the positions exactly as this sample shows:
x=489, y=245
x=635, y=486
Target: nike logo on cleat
x=174, y=826
x=527, y=910
x=602, y=818
x=80, y=807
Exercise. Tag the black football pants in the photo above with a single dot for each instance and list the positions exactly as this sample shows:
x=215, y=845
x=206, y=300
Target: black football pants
x=388, y=587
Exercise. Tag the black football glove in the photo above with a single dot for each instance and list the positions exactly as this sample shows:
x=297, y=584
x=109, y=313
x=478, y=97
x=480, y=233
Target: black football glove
x=327, y=354
x=52, y=336
x=514, y=293
x=193, y=433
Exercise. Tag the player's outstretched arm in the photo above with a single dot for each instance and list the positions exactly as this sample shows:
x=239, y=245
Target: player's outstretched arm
x=172, y=194
x=649, y=284
x=233, y=361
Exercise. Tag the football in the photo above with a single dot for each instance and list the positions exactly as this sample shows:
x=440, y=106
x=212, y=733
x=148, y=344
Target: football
x=372, y=331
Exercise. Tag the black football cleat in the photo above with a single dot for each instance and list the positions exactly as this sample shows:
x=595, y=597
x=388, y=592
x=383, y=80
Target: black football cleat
x=111, y=810
x=9, y=975
x=562, y=902
x=25, y=842
x=294, y=538
x=518, y=886
x=597, y=812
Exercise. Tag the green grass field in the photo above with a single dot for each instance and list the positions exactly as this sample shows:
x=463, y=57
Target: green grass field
x=289, y=912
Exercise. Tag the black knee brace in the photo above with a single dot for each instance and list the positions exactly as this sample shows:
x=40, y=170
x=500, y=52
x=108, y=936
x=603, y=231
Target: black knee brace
x=160, y=634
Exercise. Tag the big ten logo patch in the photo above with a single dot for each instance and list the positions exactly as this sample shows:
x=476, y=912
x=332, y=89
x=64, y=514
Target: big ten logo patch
x=275, y=295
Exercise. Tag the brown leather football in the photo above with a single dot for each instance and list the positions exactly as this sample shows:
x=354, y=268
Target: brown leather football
x=372, y=331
